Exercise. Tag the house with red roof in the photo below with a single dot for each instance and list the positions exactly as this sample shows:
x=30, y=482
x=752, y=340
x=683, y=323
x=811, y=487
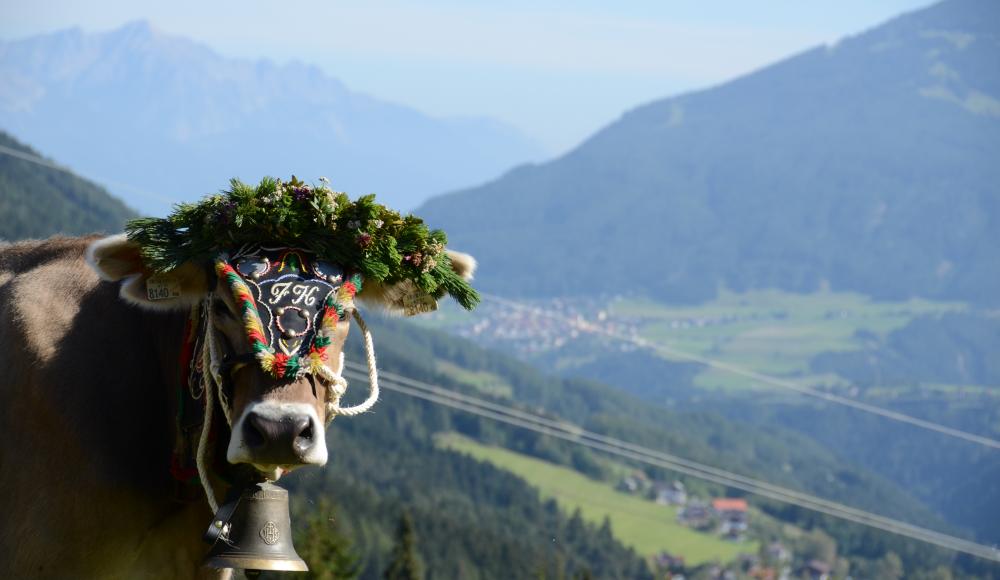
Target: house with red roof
x=733, y=517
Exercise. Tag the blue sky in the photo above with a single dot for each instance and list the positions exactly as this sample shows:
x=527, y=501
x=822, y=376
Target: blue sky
x=557, y=70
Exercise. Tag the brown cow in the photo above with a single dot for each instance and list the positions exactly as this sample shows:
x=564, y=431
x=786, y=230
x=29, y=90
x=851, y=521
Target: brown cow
x=88, y=406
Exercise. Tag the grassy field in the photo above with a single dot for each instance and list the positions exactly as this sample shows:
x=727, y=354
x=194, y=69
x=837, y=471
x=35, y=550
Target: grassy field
x=484, y=382
x=767, y=331
x=770, y=331
x=640, y=523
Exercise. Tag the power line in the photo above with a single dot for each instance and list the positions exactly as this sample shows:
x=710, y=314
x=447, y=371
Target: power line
x=664, y=349
x=577, y=435
x=767, y=379
x=32, y=158
x=52, y=165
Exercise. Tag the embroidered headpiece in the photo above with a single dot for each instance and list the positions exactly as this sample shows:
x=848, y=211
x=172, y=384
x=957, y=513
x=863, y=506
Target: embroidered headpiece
x=290, y=303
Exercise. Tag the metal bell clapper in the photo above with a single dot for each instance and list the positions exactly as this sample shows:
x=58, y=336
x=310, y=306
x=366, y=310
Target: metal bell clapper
x=253, y=531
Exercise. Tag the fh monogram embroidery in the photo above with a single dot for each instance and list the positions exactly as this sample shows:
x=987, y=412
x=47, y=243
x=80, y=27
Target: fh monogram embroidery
x=301, y=293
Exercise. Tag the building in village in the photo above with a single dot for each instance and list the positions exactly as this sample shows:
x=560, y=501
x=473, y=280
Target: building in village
x=733, y=517
x=815, y=570
x=636, y=482
x=696, y=514
x=672, y=494
x=777, y=553
x=669, y=562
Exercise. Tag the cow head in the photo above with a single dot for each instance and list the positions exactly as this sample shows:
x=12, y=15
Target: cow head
x=276, y=317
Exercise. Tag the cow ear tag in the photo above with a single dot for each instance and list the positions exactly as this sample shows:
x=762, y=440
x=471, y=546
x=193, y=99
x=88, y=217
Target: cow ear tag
x=417, y=303
x=162, y=287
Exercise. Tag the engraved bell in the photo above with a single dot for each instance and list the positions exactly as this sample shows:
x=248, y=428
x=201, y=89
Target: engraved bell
x=254, y=532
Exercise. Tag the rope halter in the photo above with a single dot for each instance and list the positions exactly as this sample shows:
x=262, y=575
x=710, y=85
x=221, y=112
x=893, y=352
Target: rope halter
x=290, y=305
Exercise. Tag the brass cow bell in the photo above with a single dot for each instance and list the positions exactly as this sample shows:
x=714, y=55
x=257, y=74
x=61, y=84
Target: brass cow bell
x=254, y=532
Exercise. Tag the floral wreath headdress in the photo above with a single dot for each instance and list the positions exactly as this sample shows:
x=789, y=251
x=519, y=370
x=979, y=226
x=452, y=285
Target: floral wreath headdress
x=363, y=236
x=367, y=240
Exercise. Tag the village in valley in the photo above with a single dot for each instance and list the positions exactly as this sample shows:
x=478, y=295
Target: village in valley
x=724, y=517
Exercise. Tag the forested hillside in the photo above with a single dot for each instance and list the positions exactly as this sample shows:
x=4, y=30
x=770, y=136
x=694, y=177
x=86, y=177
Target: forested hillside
x=867, y=165
x=939, y=367
x=957, y=349
x=385, y=462
x=38, y=201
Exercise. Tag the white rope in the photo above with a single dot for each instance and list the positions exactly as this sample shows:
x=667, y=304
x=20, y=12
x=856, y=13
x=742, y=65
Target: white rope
x=212, y=387
x=216, y=364
x=335, y=388
x=206, y=425
x=372, y=374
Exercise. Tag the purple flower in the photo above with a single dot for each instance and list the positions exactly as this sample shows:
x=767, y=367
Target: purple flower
x=300, y=193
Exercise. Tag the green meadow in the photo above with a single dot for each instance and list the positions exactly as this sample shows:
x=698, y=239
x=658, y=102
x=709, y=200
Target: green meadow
x=637, y=522
x=770, y=331
x=485, y=382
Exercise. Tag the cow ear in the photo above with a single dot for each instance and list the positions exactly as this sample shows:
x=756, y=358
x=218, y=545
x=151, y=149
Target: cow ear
x=463, y=264
x=405, y=297
x=116, y=258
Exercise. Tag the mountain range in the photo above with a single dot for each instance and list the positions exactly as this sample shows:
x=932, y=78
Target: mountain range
x=166, y=115
x=868, y=165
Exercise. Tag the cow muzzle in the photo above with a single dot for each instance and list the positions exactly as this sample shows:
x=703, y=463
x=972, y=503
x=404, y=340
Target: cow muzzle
x=277, y=437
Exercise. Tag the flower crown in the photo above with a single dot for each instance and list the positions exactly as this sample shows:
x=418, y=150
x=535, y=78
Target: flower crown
x=361, y=236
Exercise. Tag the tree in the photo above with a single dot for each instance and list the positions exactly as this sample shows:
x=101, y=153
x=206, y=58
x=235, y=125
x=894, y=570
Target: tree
x=889, y=567
x=322, y=545
x=817, y=545
x=404, y=565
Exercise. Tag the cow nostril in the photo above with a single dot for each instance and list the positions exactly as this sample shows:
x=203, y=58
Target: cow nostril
x=284, y=438
x=304, y=439
x=253, y=432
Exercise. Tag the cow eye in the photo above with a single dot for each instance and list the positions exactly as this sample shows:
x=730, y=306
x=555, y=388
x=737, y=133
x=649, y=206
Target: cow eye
x=220, y=308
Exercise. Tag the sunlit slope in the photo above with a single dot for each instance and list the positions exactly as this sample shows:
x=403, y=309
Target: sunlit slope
x=773, y=332
x=868, y=165
x=391, y=451
x=932, y=360
x=773, y=454
x=635, y=521
x=38, y=201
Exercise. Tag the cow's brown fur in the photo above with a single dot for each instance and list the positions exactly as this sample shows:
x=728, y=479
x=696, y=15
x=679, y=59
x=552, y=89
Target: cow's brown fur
x=87, y=419
x=87, y=411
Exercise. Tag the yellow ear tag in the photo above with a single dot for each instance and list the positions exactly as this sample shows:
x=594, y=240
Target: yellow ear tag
x=162, y=287
x=418, y=303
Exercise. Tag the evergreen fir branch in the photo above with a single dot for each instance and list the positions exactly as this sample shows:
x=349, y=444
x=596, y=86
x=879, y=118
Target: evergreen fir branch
x=363, y=236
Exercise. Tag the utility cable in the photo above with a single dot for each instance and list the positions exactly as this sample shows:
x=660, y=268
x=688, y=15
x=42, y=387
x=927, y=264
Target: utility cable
x=575, y=434
x=640, y=342
x=52, y=165
x=766, y=379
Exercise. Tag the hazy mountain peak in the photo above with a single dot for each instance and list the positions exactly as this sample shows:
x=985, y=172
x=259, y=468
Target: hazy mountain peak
x=866, y=166
x=161, y=112
x=140, y=28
